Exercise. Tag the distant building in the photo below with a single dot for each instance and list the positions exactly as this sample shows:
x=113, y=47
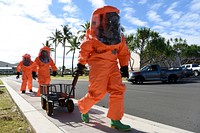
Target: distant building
x=7, y=68
x=136, y=60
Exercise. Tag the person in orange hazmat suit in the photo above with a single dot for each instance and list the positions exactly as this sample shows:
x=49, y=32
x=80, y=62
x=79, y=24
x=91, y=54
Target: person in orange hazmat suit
x=42, y=66
x=102, y=50
x=26, y=67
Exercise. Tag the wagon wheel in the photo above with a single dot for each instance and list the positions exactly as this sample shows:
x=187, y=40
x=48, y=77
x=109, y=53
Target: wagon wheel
x=43, y=103
x=49, y=108
x=70, y=105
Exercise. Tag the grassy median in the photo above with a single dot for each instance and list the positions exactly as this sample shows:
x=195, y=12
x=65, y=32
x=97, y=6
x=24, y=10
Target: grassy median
x=11, y=119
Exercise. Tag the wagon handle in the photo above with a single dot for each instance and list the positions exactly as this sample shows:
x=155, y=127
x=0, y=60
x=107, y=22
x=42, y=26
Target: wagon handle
x=74, y=80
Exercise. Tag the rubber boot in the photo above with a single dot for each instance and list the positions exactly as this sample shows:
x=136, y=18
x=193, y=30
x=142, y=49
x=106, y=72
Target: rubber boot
x=118, y=125
x=85, y=117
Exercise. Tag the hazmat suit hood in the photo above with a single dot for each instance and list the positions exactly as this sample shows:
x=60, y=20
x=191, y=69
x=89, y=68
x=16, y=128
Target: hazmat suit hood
x=26, y=59
x=105, y=25
x=44, y=54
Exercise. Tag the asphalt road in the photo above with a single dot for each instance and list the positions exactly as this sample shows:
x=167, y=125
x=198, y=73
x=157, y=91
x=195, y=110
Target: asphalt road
x=177, y=105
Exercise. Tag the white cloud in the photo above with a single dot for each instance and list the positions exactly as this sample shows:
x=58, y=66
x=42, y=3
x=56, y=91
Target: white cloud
x=136, y=21
x=25, y=25
x=195, y=5
x=65, y=1
x=70, y=8
x=156, y=6
x=133, y=20
x=189, y=20
x=173, y=34
x=142, y=2
x=173, y=13
x=171, y=10
x=158, y=28
x=165, y=24
x=129, y=10
x=153, y=16
x=97, y=4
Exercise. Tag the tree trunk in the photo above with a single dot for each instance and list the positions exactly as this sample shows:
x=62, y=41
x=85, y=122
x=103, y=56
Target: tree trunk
x=63, y=67
x=55, y=55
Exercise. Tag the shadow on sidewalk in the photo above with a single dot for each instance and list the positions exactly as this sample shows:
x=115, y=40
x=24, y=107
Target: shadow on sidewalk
x=98, y=120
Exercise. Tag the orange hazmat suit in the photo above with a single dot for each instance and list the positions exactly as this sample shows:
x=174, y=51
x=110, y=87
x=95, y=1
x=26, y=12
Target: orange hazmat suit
x=42, y=65
x=26, y=67
x=103, y=51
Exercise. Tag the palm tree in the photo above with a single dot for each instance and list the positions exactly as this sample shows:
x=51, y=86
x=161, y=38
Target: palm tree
x=48, y=45
x=65, y=37
x=56, y=39
x=179, y=46
x=85, y=27
x=140, y=40
x=75, y=43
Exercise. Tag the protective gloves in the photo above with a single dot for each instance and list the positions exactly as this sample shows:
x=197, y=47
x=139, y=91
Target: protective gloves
x=124, y=71
x=34, y=75
x=54, y=73
x=80, y=69
x=17, y=75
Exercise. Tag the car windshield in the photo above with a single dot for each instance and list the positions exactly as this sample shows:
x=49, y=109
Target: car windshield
x=195, y=65
x=145, y=68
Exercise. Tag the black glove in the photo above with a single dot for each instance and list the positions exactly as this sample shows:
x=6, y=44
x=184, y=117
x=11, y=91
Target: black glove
x=34, y=75
x=17, y=75
x=124, y=71
x=54, y=73
x=80, y=69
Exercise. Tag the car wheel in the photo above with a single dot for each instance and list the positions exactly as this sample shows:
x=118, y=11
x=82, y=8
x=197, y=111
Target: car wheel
x=172, y=79
x=139, y=80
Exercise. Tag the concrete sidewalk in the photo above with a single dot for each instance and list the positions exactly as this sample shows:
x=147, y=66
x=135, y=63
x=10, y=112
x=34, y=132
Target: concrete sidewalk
x=65, y=122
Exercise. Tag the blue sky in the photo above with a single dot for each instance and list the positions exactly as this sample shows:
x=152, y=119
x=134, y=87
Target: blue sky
x=26, y=24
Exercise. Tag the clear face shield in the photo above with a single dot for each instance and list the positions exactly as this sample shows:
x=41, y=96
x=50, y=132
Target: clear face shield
x=109, y=30
x=26, y=61
x=44, y=56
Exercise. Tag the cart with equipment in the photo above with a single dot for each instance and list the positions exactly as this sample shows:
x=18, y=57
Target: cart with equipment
x=58, y=95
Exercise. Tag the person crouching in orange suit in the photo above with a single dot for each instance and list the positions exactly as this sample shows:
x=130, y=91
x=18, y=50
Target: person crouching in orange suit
x=102, y=49
x=26, y=67
x=42, y=65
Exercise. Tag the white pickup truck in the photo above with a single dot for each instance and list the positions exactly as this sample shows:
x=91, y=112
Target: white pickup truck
x=194, y=67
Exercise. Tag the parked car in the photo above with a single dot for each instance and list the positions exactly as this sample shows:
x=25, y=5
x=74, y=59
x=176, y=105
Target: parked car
x=194, y=67
x=187, y=72
x=154, y=72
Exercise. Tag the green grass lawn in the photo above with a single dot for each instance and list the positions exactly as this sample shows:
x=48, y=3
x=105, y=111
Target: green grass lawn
x=11, y=119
